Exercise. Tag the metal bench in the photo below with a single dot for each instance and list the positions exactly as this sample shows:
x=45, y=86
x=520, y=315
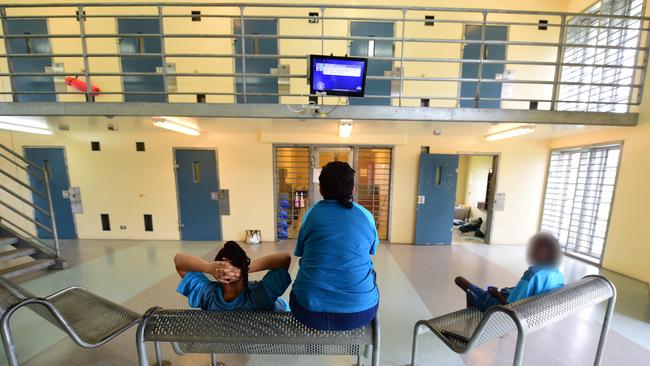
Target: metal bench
x=249, y=332
x=465, y=329
x=88, y=319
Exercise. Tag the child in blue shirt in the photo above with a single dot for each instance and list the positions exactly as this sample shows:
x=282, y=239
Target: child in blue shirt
x=544, y=255
x=232, y=290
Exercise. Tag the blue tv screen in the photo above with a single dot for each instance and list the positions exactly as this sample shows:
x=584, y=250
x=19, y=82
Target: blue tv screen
x=333, y=75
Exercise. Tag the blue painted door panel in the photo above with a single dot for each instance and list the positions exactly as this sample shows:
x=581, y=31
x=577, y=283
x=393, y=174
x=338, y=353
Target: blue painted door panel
x=196, y=180
x=144, y=63
x=26, y=84
x=52, y=160
x=359, y=48
x=436, y=198
x=470, y=70
x=254, y=65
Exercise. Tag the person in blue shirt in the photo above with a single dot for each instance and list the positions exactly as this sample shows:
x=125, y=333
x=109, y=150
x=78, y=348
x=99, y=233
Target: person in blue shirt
x=544, y=255
x=335, y=288
x=232, y=290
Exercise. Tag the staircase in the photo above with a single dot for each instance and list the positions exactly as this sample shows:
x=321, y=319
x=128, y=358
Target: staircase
x=24, y=251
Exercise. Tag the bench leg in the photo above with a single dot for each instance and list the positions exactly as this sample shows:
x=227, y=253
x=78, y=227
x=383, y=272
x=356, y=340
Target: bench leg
x=603, y=332
x=414, y=350
x=519, y=350
x=359, y=360
x=7, y=340
x=159, y=356
x=376, y=341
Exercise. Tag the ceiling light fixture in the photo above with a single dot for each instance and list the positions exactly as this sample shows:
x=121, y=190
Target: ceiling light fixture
x=513, y=132
x=28, y=124
x=345, y=128
x=177, y=125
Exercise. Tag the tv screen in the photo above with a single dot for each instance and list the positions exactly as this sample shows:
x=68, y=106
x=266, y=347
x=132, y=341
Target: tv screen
x=332, y=75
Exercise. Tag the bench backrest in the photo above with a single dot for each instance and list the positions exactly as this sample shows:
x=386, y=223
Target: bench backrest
x=540, y=311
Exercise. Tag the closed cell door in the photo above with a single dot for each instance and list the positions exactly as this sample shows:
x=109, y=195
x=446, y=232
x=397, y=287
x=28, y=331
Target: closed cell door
x=53, y=161
x=137, y=47
x=197, y=185
x=261, y=58
x=472, y=51
x=25, y=86
x=436, y=199
x=373, y=48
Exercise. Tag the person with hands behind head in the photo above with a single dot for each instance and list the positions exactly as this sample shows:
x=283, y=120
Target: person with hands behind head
x=231, y=289
x=544, y=256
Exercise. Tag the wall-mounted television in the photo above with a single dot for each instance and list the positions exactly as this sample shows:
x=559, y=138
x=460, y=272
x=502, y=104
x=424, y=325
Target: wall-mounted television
x=331, y=75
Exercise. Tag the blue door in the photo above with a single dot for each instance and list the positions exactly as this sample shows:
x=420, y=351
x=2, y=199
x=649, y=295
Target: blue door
x=196, y=181
x=436, y=199
x=26, y=84
x=371, y=48
x=470, y=70
x=257, y=65
x=52, y=160
x=136, y=45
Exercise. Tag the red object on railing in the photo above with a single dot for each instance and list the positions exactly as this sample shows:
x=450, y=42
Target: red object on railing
x=80, y=85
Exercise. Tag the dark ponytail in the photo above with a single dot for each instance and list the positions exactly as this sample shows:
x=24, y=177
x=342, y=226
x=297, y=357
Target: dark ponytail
x=337, y=183
x=232, y=252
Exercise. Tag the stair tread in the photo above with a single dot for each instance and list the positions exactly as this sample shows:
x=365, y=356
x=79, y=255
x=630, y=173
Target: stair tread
x=16, y=253
x=8, y=240
x=26, y=267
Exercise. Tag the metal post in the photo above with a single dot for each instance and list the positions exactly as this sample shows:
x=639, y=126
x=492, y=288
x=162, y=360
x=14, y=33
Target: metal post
x=401, y=58
x=55, y=234
x=558, y=64
x=159, y=356
x=481, y=60
x=519, y=350
x=322, y=31
x=7, y=339
x=359, y=359
x=376, y=341
x=414, y=350
x=163, y=57
x=84, y=52
x=143, y=359
x=3, y=19
x=605, y=330
x=243, y=50
x=213, y=359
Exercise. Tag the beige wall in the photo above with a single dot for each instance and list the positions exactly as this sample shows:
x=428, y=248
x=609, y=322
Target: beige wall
x=125, y=183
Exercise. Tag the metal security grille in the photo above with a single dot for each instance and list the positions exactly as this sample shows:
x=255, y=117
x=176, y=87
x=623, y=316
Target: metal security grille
x=594, y=69
x=292, y=189
x=373, y=185
x=579, y=193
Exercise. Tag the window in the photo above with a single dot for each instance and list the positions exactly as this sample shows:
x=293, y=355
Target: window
x=579, y=191
x=594, y=32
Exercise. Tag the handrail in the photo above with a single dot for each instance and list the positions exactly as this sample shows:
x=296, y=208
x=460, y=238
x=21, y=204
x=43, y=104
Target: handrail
x=23, y=200
x=26, y=169
x=22, y=158
x=8, y=175
x=27, y=236
x=17, y=212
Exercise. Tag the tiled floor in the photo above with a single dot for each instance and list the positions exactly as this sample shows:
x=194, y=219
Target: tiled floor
x=416, y=283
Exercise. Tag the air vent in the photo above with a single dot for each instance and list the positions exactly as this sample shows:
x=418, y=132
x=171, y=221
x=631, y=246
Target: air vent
x=429, y=20
x=106, y=222
x=196, y=15
x=314, y=17
x=200, y=98
x=425, y=102
x=139, y=146
x=95, y=146
x=148, y=222
x=80, y=17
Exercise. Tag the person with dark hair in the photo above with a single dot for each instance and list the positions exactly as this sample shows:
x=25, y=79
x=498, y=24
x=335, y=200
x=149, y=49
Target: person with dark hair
x=336, y=288
x=232, y=290
x=544, y=254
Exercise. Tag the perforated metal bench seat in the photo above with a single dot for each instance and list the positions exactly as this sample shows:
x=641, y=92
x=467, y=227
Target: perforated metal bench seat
x=250, y=332
x=465, y=329
x=88, y=319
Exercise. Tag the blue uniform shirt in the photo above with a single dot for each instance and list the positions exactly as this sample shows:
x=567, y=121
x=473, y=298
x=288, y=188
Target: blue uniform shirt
x=260, y=295
x=336, y=274
x=535, y=281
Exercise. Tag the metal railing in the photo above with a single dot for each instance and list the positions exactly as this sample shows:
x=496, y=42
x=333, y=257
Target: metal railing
x=26, y=195
x=426, y=65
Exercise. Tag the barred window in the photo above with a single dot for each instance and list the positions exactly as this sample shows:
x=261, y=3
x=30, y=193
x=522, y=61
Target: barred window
x=579, y=191
x=601, y=71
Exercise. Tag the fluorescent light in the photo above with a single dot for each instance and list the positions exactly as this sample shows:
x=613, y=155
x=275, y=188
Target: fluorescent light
x=177, y=125
x=514, y=132
x=345, y=128
x=29, y=125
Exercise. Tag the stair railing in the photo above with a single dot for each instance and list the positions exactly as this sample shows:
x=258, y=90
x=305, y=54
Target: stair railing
x=41, y=174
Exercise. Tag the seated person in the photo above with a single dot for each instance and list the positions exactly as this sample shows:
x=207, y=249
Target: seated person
x=232, y=290
x=544, y=255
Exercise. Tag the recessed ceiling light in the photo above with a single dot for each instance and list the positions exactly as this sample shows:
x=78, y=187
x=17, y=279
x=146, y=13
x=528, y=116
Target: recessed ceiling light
x=514, y=132
x=177, y=125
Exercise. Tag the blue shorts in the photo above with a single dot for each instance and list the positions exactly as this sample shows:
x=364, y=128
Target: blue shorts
x=331, y=321
x=480, y=299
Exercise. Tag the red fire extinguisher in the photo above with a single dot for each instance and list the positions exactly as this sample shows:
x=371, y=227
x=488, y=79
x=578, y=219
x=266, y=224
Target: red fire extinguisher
x=80, y=85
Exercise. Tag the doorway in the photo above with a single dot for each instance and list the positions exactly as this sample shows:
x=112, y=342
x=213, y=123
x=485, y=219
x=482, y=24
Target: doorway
x=474, y=205
x=197, y=185
x=296, y=182
x=52, y=160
